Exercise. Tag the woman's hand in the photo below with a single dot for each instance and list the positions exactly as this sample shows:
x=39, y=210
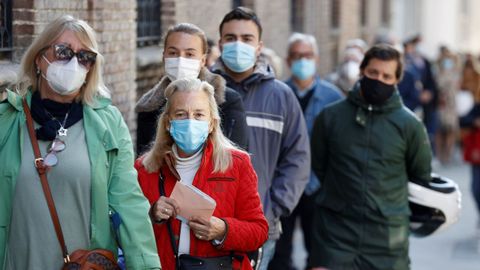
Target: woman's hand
x=164, y=208
x=207, y=230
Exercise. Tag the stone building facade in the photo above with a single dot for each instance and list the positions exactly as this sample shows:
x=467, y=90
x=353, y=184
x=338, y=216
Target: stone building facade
x=133, y=60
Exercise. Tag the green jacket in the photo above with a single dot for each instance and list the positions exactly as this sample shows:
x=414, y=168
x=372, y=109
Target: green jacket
x=114, y=180
x=364, y=156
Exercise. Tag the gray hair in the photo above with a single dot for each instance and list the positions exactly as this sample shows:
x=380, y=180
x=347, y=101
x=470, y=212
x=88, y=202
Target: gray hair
x=305, y=38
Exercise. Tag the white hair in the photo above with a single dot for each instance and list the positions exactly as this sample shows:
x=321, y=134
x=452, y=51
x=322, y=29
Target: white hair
x=222, y=158
x=305, y=38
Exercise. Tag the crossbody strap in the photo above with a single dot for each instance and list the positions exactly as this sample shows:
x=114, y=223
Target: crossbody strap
x=43, y=180
x=161, y=183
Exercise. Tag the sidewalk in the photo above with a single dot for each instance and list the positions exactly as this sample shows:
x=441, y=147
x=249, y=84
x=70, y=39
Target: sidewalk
x=457, y=247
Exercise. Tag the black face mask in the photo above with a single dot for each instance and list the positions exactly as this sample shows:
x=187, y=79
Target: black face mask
x=374, y=91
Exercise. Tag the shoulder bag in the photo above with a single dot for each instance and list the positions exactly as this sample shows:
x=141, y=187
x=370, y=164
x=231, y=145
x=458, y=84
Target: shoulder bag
x=96, y=259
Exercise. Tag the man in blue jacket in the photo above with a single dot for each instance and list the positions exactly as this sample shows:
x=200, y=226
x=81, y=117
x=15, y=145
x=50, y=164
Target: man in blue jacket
x=278, y=139
x=313, y=94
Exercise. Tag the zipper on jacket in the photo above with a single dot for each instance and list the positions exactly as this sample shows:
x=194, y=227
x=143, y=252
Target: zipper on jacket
x=365, y=171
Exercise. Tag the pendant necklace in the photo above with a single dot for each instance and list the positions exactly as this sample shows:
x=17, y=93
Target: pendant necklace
x=62, y=131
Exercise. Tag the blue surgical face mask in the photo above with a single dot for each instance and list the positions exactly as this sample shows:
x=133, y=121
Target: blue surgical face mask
x=238, y=56
x=303, y=68
x=447, y=64
x=189, y=134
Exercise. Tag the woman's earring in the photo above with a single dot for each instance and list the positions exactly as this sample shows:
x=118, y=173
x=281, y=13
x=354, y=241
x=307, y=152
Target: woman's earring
x=38, y=71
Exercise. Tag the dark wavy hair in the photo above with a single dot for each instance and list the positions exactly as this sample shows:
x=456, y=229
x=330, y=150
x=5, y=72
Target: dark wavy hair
x=242, y=13
x=384, y=52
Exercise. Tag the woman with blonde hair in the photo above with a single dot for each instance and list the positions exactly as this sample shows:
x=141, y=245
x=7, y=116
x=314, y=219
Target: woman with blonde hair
x=61, y=132
x=189, y=147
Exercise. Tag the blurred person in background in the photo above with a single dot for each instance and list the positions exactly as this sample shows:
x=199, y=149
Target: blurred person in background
x=421, y=68
x=347, y=72
x=447, y=76
x=470, y=80
x=313, y=94
x=213, y=53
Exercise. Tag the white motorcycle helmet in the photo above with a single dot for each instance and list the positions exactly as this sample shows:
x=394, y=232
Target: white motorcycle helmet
x=434, y=207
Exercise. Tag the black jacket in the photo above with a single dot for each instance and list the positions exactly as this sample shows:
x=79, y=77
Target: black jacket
x=230, y=104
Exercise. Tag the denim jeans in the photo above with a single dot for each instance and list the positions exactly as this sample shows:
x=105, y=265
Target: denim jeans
x=476, y=185
x=268, y=250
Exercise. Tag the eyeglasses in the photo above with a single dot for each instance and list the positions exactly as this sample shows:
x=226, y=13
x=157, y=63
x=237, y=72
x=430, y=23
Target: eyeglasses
x=50, y=158
x=64, y=53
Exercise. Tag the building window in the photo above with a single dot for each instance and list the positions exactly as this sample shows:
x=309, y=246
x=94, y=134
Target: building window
x=236, y=3
x=242, y=3
x=335, y=13
x=5, y=26
x=385, y=12
x=296, y=16
x=363, y=12
x=149, y=28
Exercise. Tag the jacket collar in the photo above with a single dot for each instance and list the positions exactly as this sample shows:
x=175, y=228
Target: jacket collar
x=16, y=100
x=206, y=163
x=155, y=97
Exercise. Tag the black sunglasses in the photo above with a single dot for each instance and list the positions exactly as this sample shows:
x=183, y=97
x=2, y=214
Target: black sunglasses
x=64, y=53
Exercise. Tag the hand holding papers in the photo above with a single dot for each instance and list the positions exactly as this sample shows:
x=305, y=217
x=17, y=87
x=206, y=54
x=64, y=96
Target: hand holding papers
x=192, y=202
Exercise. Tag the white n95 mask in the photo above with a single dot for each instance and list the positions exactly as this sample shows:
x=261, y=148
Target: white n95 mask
x=65, y=78
x=179, y=68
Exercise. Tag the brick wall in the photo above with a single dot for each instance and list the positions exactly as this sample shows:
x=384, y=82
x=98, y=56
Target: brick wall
x=23, y=25
x=275, y=19
x=205, y=14
x=115, y=24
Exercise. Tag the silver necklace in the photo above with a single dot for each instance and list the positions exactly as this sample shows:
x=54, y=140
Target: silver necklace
x=62, y=131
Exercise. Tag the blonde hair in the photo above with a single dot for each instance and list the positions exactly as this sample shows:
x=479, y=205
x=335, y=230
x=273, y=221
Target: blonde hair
x=222, y=158
x=94, y=85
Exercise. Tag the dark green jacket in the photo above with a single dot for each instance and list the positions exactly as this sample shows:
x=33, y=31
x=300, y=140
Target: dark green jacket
x=364, y=156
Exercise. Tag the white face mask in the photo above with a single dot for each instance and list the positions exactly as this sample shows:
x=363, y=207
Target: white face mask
x=352, y=70
x=65, y=78
x=179, y=68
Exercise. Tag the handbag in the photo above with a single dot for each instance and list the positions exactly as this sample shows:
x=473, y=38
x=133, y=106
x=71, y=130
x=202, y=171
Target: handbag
x=96, y=259
x=471, y=146
x=189, y=262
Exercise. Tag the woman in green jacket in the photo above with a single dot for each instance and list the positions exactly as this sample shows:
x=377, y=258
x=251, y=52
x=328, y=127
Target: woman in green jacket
x=86, y=150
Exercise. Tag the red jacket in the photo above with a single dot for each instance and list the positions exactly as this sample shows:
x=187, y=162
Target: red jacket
x=238, y=203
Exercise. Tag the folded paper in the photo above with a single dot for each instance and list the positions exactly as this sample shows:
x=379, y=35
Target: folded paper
x=192, y=202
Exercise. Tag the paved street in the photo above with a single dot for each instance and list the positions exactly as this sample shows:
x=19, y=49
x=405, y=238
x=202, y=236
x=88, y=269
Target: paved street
x=455, y=248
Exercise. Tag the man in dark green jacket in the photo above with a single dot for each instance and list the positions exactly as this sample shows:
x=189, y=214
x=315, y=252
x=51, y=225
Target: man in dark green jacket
x=364, y=151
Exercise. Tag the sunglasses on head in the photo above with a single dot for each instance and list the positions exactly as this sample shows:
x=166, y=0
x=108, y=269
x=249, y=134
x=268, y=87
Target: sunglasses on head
x=63, y=52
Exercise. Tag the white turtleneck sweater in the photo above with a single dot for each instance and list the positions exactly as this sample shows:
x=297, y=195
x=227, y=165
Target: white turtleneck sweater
x=186, y=168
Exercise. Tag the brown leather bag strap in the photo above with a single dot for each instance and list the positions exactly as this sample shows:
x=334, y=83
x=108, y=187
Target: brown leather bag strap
x=43, y=179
